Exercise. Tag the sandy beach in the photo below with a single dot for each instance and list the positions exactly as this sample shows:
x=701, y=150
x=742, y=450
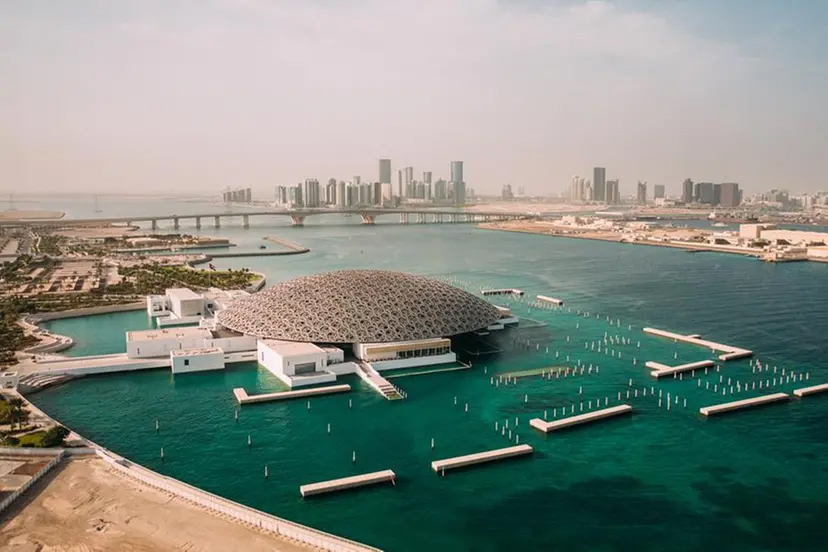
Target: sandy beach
x=85, y=505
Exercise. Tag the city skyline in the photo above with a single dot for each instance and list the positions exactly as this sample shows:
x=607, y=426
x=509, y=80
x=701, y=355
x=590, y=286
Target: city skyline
x=161, y=96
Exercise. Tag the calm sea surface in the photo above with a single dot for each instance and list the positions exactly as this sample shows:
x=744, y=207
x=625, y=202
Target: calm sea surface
x=658, y=480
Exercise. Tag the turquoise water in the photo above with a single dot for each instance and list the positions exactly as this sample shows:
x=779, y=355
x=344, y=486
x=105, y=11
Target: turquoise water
x=659, y=480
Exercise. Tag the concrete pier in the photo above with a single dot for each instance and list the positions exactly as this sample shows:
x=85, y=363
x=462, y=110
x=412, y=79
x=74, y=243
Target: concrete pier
x=814, y=389
x=552, y=300
x=563, y=423
x=243, y=398
x=480, y=458
x=660, y=370
x=746, y=403
x=347, y=483
x=730, y=353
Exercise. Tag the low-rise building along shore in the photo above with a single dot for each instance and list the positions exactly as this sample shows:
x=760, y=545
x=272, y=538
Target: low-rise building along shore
x=762, y=241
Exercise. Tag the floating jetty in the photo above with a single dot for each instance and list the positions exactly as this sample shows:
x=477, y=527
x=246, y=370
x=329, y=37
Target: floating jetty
x=480, y=458
x=502, y=292
x=746, y=403
x=546, y=427
x=730, y=353
x=533, y=372
x=243, y=398
x=813, y=390
x=344, y=483
x=552, y=300
x=660, y=370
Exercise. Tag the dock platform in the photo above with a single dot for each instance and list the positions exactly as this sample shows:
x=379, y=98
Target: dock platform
x=729, y=352
x=546, y=427
x=344, y=483
x=814, y=389
x=480, y=458
x=745, y=403
x=243, y=398
x=661, y=370
x=552, y=300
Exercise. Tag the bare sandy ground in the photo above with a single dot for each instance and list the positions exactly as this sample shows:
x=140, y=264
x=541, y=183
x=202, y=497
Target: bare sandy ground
x=93, y=232
x=85, y=506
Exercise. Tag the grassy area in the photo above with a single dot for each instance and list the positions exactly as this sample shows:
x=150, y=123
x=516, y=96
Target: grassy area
x=33, y=439
x=152, y=278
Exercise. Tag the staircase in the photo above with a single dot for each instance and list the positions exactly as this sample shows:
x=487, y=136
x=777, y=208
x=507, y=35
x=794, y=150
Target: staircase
x=379, y=383
x=37, y=382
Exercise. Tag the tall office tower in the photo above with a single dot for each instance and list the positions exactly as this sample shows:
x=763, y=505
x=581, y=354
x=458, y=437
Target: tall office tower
x=341, y=195
x=409, y=180
x=521, y=191
x=730, y=194
x=599, y=184
x=330, y=192
x=385, y=171
x=658, y=191
x=506, y=193
x=440, y=191
x=574, y=189
x=687, y=191
x=717, y=194
x=458, y=192
x=589, y=194
x=377, y=193
x=353, y=195
x=612, y=194
x=281, y=195
x=296, y=195
x=456, y=171
x=387, y=192
x=357, y=180
x=642, y=193
x=458, y=185
x=427, y=177
x=400, y=178
x=704, y=192
x=310, y=193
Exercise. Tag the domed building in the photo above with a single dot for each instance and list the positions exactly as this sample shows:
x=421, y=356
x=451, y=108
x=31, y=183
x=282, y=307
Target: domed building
x=359, y=306
x=311, y=329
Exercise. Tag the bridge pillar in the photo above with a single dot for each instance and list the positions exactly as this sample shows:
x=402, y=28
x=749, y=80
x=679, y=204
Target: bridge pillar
x=198, y=223
x=421, y=218
x=217, y=221
x=368, y=219
x=403, y=218
x=297, y=220
x=154, y=224
x=452, y=218
x=176, y=225
x=246, y=221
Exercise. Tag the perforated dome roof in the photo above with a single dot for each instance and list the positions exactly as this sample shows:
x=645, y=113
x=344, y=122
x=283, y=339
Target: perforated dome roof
x=358, y=306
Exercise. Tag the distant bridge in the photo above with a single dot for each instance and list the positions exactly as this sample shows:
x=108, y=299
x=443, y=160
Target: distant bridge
x=297, y=217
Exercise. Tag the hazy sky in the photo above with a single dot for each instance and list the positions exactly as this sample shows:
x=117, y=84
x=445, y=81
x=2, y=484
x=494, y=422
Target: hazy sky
x=195, y=95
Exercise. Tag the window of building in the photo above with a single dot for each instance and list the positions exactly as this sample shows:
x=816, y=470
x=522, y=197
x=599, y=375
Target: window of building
x=186, y=362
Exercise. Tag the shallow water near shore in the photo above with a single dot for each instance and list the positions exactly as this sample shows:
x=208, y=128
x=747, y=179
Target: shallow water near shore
x=656, y=480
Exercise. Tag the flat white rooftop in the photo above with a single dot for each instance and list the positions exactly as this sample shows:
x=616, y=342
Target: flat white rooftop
x=183, y=293
x=171, y=333
x=291, y=348
x=196, y=352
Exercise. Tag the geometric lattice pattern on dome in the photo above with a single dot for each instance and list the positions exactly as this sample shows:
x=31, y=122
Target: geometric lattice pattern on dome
x=362, y=306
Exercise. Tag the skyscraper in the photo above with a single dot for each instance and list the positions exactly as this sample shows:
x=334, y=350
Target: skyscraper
x=687, y=191
x=658, y=191
x=427, y=177
x=400, y=183
x=730, y=194
x=599, y=184
x=642, y=192
x=457, y=171
x=612, y=194
x=310, y=193
x=385, y=171
x=341, y=195
x=704, y=193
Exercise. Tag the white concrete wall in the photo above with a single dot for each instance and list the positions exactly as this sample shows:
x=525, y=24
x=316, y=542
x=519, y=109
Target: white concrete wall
x=187, y=307
x=233, y=344
x=315, y=379
x=381, y=365
x=162, y=347
x=197, y=362
x=158, y=305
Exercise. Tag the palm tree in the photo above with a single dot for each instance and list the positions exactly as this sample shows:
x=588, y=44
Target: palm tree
x=16, y=413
